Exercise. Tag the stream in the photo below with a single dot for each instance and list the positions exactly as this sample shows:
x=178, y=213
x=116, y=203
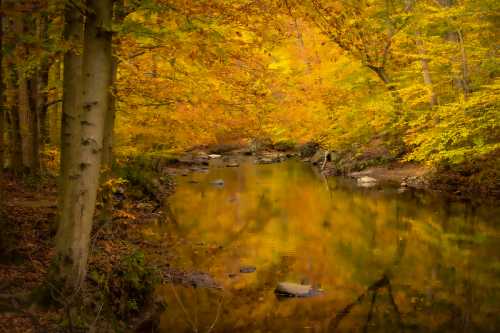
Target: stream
x=382, y=260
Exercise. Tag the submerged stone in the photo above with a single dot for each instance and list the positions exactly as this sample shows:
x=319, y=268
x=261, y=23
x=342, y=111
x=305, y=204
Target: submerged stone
x=233, y=165
x=215, y=156
x=217, y=182
x=290, y=289
x=247, y=269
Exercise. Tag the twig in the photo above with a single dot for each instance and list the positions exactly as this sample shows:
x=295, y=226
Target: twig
x=193, y=326
x=216, y=315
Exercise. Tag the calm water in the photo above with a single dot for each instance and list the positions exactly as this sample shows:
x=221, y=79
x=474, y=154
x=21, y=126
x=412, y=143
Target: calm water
x=387, y=261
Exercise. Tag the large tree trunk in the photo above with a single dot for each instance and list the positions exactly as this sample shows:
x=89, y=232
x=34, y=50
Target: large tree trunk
x=74, y=235
x=70, y=138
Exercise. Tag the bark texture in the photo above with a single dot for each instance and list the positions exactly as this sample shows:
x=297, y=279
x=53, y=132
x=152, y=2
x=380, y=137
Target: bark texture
x=74, y=238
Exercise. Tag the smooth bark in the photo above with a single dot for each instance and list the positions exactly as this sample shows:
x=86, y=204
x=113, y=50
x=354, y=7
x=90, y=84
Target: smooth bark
x=70, y=143
x=74, y=235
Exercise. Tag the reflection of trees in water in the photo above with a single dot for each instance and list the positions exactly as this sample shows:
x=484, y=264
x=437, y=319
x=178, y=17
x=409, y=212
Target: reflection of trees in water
x=373, y=289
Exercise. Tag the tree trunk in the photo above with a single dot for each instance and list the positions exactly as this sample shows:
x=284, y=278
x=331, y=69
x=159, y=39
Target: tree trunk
x=26, y=114
x=465, y=66
x=43, y=82
x=2, y=113
x=389, y=84
x=70, y=138
x=33, y=90
x=457, y=37
x=74, y=234
x=107, y=154
x=14, y=134
x=425, y=71
x=55, y=112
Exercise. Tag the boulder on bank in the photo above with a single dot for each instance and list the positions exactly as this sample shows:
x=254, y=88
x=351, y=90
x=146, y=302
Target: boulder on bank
x=290, y=289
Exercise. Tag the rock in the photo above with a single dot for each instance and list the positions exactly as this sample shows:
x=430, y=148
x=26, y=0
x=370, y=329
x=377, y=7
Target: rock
x=404, y=184
x=366, y=181
x=214, y=156
x=318, y=157
x=247, y=269
x=264, y=160
x=308, y=149
x=233, y=165
x=217, y=182
x=290, y=289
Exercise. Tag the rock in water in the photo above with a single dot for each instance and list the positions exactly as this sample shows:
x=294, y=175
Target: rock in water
x=367, y=181
x=233, y=165
x=215, y=156
x=290, y=289
x=217, y=182
x=247, y=269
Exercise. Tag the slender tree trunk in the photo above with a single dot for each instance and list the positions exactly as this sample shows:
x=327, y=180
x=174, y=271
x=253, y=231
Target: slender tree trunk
x=14, y=134
x=26, y=114
x=424, y=61
x=2, y=112
x=457, y=37
x=389, y=84
x=465, y=66
x=34, y=126
x=74, y=236
x=43, y=82
x=55, y=112
x=107, y=154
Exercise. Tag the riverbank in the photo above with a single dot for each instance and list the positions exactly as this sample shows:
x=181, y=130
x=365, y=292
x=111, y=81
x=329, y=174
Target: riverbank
x=471, y=180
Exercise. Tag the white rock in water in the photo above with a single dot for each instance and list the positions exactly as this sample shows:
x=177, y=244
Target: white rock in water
x=217, y=182
x=366, y=181
x=215, y=156
x=291, y=289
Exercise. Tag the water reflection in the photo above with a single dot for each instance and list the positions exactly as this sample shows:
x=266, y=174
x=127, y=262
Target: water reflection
x=388, y=262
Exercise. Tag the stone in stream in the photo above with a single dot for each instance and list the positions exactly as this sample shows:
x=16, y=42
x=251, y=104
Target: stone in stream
x=290, y=289
x=366, y=181
x=233, y=164
x=214, y=156
x=217, y=182
x=247, y=269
